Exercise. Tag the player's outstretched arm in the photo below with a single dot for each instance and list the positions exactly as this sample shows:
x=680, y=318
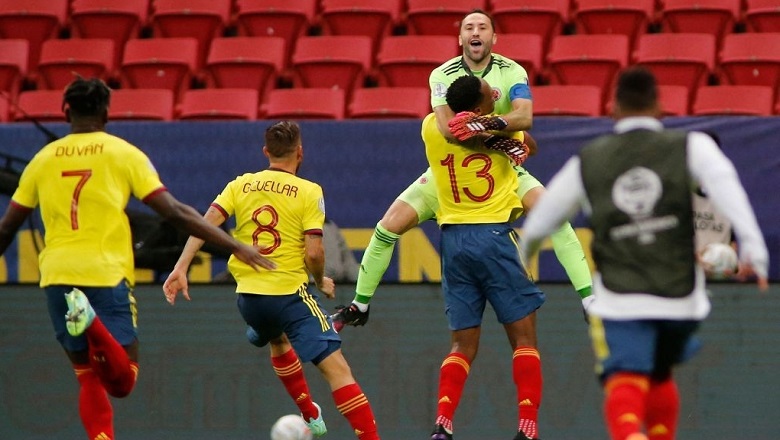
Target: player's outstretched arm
x=12, y=220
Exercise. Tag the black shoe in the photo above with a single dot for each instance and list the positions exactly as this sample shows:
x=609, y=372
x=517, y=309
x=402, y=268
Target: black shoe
x=439, y=433
x=348, y=315
x=521, y=436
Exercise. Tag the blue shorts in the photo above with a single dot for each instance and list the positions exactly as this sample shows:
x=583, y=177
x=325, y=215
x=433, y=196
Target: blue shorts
x=298, y=315
x=481, y=262
x=115, y=306
x=650, y=347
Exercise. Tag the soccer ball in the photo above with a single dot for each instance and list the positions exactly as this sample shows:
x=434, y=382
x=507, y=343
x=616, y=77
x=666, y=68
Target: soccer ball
x=719, y=260
x=290, y=427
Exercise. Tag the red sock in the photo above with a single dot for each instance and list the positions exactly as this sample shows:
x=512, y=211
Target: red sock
x=289, y=370
x=353, y=404
x=94, y=407
x=663, y=409
x=527, y=375
x=624, y=405
x=452, y=378
x=109, y=360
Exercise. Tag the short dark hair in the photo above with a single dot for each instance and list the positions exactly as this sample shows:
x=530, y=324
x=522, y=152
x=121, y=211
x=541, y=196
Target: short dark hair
x=86, y=97
x=282, y=137
x=465, y=93
x=637, y=89
x=483, y=12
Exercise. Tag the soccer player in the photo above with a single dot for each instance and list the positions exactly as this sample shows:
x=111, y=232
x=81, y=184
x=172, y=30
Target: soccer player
x=283, y=215
x=635, y=185
x=82, y=183
x=418, y=202
x=476, y=189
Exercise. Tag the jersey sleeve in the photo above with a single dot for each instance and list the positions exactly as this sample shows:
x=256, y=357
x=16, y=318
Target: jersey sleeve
x=438, y=83
x=225, y=201
x=519, y=87
x=314, y=211
x=144, y=179
x=26, y=193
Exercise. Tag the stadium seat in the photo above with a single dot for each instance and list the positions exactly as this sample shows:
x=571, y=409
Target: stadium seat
x=542, y=17
x=305, y=104
x=199, y=19
x=526, y=49
x=117, y=20
x=245, y=62
x=592, y=60
x=220, y=104
x=61, y=60
x=751, y=59
x=625, y=17
x=674, y=100
x=141, y=104
x=678, y=59
x=563, y=100
x=407, y=60
x=716, y=17
x=438, y=17
x=34, y=21
x=159, y=63
x=13, y=65
x=390, y=102
x=763, y=15
x=340, y=61
x=41, y=105
x=4, y=116
x=734, y=100
x=369, y=18
x=289, y=19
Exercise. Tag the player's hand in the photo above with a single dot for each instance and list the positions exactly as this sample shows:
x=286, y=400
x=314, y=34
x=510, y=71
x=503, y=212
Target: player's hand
x=516, y=150
x=586, y=302
x=251, y=256
x=466, y=125
x=348, y=316
x=328, y=287
x=176, y=281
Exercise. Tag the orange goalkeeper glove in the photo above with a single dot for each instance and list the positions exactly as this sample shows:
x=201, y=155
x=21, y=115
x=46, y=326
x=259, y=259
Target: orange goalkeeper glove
x=466, y=125
x=515, y=149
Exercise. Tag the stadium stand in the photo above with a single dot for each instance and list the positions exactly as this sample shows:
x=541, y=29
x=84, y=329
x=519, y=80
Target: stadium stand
x=438, y=17
x=546, y=18
x=159, y=63
x=13, y=65
x=568, y=100
x=526, y=49
x=626, y=17
x=41, y=105
x=340, y=61
x=763, y=15
x=390, y=102
x=407, y=60
x=220, y=104
x=245, y=62
x=62, y=60
x=34, y=21
x=141, y=104
x=117, y=20
x=734, y=100
x=305, y=104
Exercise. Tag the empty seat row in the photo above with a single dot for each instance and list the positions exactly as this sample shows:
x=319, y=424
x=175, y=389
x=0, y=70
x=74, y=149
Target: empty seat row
x=236, y=104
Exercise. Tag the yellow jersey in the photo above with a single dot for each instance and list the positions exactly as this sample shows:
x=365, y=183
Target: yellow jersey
x=274, y=210
x=82, y=183
x=473, y=185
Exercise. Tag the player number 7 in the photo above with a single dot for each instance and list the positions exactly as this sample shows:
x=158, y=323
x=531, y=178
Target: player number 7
x=83, y=176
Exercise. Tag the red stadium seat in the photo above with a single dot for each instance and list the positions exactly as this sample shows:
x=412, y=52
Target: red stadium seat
x=141, y=104
x=41, y=105
x=674, y=100
x=117, y=20
x=562, y=100
x=245, y=62
x=390, y=102
x=407, y=61
x=13, y=65
x=438, y=17
x=34, y=21
x=220, y=104
x=678, y=59
x=4, y=116
x=625, y=17
x=526, y=49
x=305, y=104
x=289, y=19
x=751, y=59
x=340, y=61
x=199, y=19
x=61, y=60
x=716, y=17
x=763, y=15
x=734, y=100
x=369, y=18
x=159, y=63
x=592, y=60
x=542, y=17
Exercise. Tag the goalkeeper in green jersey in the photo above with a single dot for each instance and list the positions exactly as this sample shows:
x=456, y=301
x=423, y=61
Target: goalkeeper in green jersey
x=418, y=203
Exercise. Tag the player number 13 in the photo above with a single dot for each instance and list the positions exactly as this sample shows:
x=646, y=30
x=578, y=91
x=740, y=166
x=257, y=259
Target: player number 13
x=483, y=173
